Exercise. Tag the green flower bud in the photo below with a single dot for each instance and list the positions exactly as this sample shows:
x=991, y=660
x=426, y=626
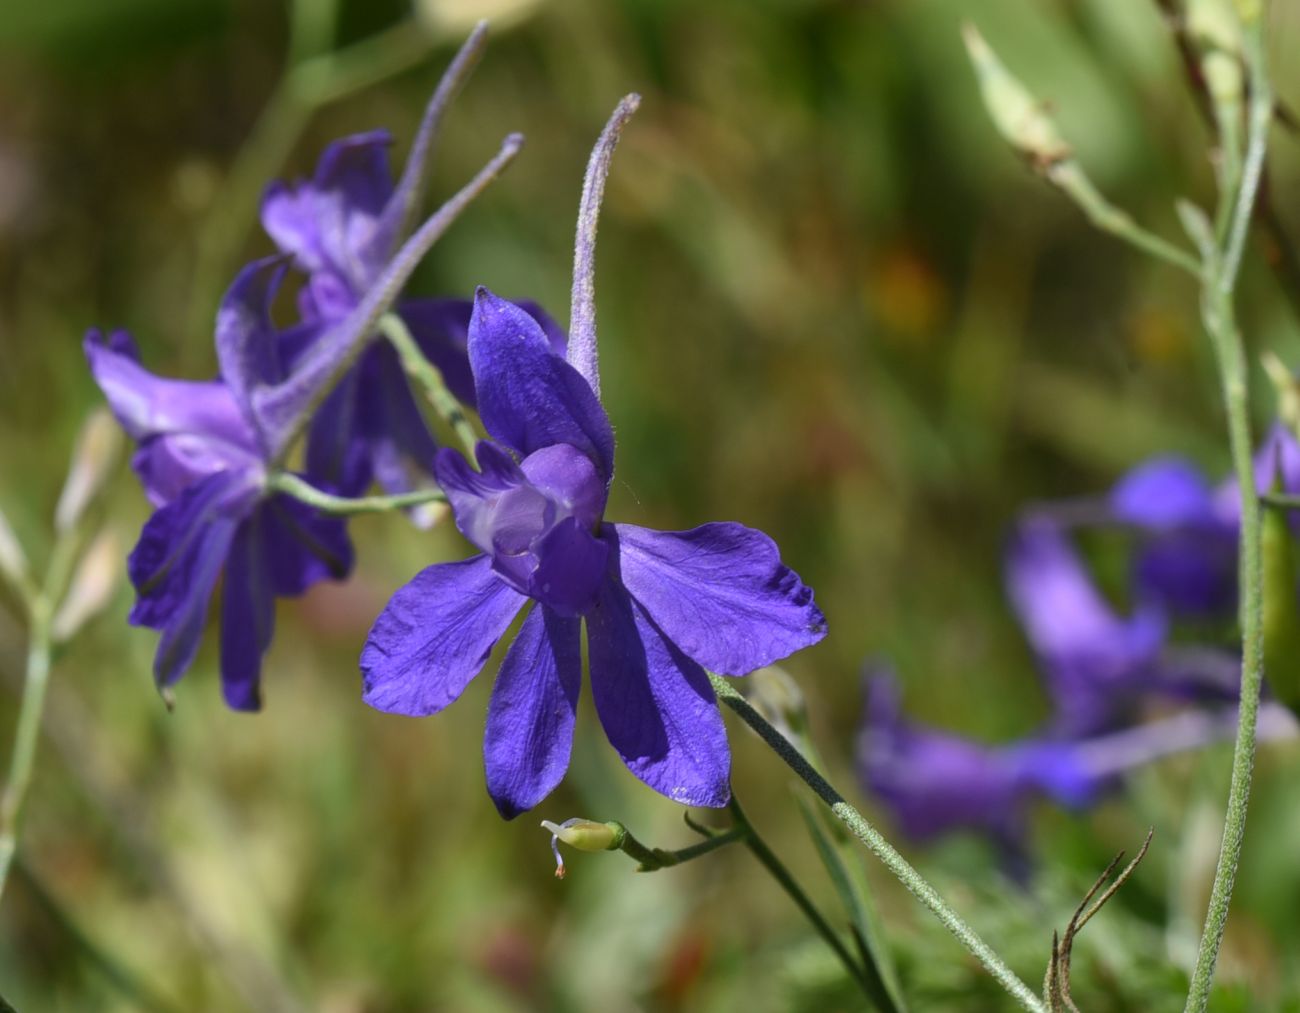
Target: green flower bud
x=585, y=835
x=1018, y=116
x=92, y=587
x=13, y=561
x=98, y=446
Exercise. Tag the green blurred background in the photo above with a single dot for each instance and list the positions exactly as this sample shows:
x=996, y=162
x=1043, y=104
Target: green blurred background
x=833, y=306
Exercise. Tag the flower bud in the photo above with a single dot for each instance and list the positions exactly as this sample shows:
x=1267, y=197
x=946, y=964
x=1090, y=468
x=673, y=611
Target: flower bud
x=96, y=452
x=451, y=17
x=1017, y=115
x=778, y=698
x=13, y=561
x=1214, y=28
x=92, y=586
x=585, y=835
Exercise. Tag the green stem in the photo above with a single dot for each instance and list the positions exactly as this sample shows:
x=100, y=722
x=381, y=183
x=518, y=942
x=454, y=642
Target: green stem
x=652, y=859
x=795, y=892
x=881, y=848
x=430, y=380
x=345, y=506
x=1070, y=179
x=27, y=733
x=1220, y=323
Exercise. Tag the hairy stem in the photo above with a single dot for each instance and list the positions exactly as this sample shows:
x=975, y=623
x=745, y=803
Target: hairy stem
x=1220, y=323
x=881, y=848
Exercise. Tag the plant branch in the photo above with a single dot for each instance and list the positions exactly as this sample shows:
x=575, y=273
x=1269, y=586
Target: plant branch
x=1220, y=322
x=429, y=379
x=758, y=847
x=876, y=843
x=345, y=506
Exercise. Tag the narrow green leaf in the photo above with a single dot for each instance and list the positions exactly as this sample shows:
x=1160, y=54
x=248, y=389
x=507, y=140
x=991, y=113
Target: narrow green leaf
x=846, y=875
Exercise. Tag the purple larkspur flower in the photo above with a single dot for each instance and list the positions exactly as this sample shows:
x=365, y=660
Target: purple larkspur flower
x=661, y=608
x=1187, y=560
x=936, y=782
x=342, y=228
x=203, y=461
x=1096, y=665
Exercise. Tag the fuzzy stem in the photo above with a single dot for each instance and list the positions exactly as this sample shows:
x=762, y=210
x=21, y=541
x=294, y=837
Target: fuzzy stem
x=1220, y=323
x=583, y=353
x=881, y=848
x=430, y=380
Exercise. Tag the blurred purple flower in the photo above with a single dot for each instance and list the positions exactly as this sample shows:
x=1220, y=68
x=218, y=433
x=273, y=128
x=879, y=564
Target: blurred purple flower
x=1095, y=663
x=342, y=228
x=660, y=607
x=202, y=457
x=1187, y=561
x=936, y=783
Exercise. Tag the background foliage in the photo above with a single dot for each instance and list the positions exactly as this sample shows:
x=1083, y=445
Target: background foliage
x=833, y=306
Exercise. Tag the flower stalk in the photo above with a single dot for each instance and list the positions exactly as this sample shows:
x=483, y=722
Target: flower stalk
x=429, y=379
x=347, y=506
x=41, y=605
x=876, y=843
x=1220, y=276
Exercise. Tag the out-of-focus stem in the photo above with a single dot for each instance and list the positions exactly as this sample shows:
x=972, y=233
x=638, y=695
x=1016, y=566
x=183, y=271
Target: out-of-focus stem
x=41, y=606
x=1070, y=179
x=27, y=733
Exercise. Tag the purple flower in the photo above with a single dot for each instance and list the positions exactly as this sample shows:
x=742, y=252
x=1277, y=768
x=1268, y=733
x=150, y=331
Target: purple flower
x=660, y=607
x=1187, y=560
x=1096, y=664
x=202, y=457
x=936, y=783
x=342, y=228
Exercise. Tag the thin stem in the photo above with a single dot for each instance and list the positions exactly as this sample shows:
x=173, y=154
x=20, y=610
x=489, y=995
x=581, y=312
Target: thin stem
x=653, y=859
x=1104, y=215
x=1220, y=322
x=429, y=379
x=345, y=506
x=27, y=733
x=795, y=892
x=881, y=848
